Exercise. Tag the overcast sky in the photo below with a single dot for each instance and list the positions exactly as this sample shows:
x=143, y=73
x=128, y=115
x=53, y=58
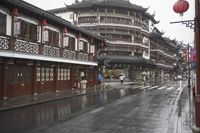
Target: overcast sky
x=162, y=8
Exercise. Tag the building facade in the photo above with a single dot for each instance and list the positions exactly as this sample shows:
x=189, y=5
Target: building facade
x=129, y=33
x=125, y=27
x=163, y=53
x=40, y=52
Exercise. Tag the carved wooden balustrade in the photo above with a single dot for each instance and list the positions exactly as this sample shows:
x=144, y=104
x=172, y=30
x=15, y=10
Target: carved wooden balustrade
x=46, y=50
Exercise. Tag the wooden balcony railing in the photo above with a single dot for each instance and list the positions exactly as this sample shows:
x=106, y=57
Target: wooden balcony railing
x=43, y=49
x=4, y=42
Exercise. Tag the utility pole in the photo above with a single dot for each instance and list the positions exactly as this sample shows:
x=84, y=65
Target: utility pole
x=196, y=128
x=188, y=63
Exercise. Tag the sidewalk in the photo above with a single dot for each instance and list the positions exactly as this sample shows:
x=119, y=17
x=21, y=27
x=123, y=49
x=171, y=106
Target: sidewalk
x=183, y=114
x=22, y=101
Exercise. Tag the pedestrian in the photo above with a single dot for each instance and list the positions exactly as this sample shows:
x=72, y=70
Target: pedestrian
x=144, y=78
x=121, y=77
x=100, y=80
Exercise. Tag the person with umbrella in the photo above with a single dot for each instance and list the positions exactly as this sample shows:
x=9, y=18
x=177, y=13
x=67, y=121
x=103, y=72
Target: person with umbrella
x=144, y=74
x=121, y=77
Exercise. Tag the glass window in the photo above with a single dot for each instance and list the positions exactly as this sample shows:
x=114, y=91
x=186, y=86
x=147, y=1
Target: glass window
x=43, y=74
x=68, y=74
x=2, y=24
x=47, y=74
x=51, y=74
x=53, y=38
x=27, y=31
x=38, y=74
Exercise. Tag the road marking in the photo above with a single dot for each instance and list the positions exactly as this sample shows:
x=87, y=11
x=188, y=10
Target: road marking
x=145, y=87
x=170, y=88
x=179, y=89
x=96, y=110
x=135, y=87
x=153, y=87
x=162, y=87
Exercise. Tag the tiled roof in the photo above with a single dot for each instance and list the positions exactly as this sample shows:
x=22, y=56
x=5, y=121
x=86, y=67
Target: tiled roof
x=107, y=3
x=38, y=13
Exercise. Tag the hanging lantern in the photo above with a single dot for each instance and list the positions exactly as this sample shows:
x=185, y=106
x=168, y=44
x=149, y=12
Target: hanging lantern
x=181, y=6
x=43, y=22
x=91, y=40
x=79, y=35
x=65, y=30
x=15, y=12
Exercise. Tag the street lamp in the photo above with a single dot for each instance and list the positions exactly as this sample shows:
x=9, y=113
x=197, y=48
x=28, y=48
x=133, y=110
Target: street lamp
x=179, y=5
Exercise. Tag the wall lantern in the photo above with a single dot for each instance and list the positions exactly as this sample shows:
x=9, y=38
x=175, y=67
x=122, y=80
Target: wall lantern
x=65, y=30
x=43, y=22
x=181, y=6
x=79, y=35
x=91, y=40
x=15, y=12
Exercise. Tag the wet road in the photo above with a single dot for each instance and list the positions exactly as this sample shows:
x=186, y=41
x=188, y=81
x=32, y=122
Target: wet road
x=139, y=110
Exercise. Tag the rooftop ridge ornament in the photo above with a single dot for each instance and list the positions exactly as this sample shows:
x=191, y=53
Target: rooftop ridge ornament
x=181, y=6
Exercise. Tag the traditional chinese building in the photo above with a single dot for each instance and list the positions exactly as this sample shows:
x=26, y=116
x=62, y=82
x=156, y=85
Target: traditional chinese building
x=163, y=53
x=40, y=52
x=125, y=26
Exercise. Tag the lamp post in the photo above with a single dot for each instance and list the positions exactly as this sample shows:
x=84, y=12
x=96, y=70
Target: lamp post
x=179, y=7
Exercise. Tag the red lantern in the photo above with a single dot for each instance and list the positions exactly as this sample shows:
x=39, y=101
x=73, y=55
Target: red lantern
x=43, y=22
x=65, y=30
x=79, y=35
x=181, y=6
x=91, y=39
x=15, y=12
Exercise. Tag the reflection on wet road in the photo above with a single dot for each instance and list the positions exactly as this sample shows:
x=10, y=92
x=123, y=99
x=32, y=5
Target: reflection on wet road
x=146, y=107
x=25, y=119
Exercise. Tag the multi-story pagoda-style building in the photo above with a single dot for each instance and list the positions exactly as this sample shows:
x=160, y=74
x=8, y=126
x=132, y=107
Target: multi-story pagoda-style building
x=125, y=27
x=40, y=52
x=163, y=53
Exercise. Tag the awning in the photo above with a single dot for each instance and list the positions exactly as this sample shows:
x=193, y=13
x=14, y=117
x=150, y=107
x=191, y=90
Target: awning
x=124, y=60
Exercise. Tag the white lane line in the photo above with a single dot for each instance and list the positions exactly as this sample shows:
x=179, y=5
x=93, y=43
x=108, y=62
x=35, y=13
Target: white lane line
x=170, y=88
x=179, y=89
x=162, y=87
x=145, y=87
x=153, y=87
x=135, y=87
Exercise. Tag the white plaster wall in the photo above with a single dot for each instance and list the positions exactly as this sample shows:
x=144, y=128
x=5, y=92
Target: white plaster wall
x=66, y=16
x=27, y=20
x=8, y=26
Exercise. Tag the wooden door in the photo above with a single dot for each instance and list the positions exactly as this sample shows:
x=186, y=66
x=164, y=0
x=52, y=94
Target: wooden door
x=64, y=78
x=46, y=81
x=20, y=80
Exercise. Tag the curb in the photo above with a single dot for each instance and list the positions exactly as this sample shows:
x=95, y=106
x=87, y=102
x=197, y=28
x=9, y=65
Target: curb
x=46, y=101
x=174, y=113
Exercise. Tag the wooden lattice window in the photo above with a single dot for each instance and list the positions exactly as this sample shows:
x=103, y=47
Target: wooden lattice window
x=28, y=31
x=2, y=24
x=43, y=74
x=38, y=74
x=58, y=73
x=47, y=77
x=85, y=47
x=64, y=74
x=68, y=74
x=53, y=38
x=72, y=43
x=51, y=74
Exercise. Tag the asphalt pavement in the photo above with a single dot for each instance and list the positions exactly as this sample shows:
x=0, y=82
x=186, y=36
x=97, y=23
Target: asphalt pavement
x=130, y=108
